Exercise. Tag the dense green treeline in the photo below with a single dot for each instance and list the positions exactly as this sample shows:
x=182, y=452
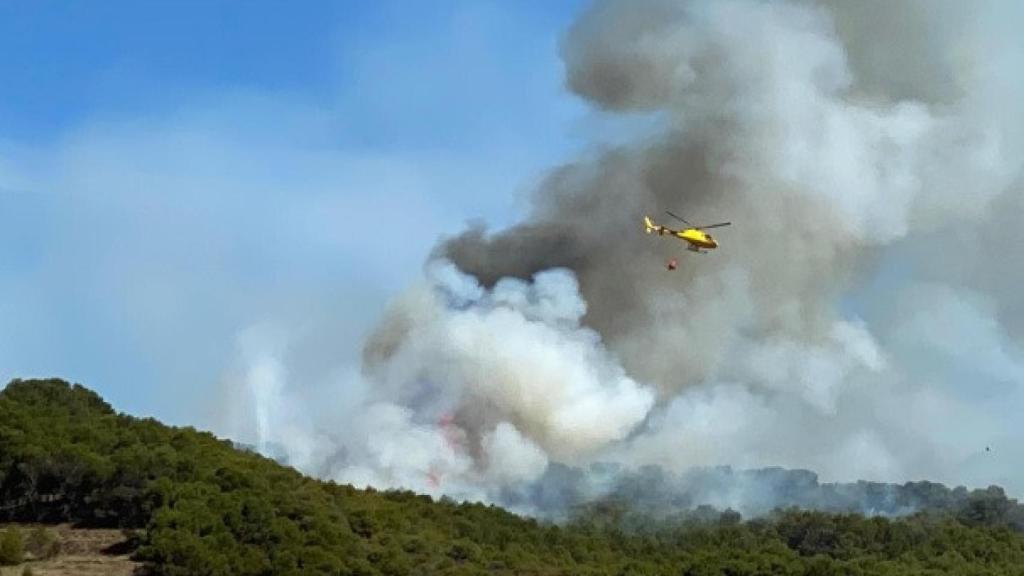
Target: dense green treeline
x=201, y=507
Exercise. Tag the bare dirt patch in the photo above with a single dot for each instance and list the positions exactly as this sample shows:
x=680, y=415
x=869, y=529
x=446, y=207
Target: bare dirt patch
x=83, y=552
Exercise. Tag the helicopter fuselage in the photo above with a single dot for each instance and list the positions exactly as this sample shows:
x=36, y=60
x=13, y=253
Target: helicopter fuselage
x=698, y=239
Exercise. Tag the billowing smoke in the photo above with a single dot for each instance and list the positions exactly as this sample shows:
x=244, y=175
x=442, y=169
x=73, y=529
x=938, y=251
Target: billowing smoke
x=515, y=355
x=859, y=318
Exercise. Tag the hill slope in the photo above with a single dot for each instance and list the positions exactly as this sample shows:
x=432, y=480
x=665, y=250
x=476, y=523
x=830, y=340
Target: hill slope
x=206, y=508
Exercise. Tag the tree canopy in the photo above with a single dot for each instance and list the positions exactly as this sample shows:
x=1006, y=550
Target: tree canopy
x=202, y=507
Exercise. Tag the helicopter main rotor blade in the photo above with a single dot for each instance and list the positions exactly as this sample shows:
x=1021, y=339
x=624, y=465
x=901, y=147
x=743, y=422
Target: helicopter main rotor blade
x=680, y=218
x=720, y=224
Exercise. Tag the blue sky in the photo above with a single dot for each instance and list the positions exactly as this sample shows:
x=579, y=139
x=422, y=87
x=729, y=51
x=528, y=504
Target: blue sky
x=173, y=173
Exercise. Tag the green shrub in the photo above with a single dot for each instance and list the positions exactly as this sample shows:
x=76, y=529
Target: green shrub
x=11, y=551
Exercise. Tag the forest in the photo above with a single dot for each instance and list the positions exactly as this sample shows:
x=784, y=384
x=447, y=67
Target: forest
x=194, y=504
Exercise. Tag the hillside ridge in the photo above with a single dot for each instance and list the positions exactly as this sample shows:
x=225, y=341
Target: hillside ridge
x=201, y=506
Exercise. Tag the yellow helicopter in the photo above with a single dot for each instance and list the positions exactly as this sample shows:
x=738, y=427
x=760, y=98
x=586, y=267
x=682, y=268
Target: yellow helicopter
x=696, y=238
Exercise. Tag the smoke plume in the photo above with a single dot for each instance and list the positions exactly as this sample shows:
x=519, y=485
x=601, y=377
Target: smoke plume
x=860, y=318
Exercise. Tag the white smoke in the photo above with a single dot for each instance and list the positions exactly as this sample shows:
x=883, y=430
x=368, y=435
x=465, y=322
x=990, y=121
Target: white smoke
x=806, y=340
x=474, y=387
x=510, y=363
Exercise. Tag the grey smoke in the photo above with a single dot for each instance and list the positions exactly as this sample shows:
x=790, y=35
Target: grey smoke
x=650, y=493
x=859, y=320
